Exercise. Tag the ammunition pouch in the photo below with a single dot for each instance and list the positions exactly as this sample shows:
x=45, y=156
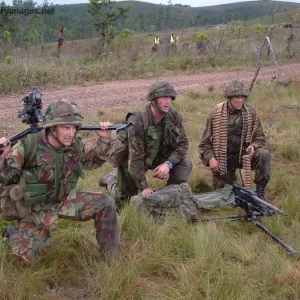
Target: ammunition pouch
x=35, y=193
x=12, y=203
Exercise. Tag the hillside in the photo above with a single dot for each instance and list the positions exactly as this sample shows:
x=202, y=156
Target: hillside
x=142, y=17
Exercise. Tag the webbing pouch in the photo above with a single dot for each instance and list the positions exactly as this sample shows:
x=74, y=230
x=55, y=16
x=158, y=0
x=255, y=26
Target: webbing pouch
x=35, y=193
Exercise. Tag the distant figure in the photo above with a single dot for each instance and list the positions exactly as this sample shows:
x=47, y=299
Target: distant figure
x=172, y=39
x=156, y=44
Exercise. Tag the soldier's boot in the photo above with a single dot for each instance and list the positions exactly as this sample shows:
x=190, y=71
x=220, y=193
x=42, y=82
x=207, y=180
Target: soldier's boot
x=108, y=178
x=10, y=231
x=260, y=189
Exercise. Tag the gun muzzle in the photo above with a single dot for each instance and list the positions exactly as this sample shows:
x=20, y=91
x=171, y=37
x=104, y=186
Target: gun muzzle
x=267, y=204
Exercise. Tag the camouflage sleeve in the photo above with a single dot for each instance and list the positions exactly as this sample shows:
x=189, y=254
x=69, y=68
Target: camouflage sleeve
x=12, y=165
x=205, y=148
x=258, y=138
x=136, y=154
x=97, y=155
x=181, y=148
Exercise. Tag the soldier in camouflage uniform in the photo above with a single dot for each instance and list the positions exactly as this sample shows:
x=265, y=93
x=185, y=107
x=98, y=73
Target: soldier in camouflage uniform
x=48, y=183
x=233, y=129
x=157, y=142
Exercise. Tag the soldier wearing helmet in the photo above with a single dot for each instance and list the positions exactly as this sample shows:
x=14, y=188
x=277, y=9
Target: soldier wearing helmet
x=47, y=183
x=233, y=132
x=157, y=142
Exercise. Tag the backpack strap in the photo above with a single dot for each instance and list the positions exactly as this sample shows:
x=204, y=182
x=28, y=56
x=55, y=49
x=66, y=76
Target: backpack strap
x=30, y=148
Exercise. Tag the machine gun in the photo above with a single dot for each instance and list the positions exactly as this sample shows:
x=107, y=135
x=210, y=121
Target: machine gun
x=255, y=208
x=32, y=115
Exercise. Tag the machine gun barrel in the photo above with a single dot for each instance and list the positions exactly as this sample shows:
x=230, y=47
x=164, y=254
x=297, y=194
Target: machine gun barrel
x=257, y=199
x=246, y=194
x=120, y=128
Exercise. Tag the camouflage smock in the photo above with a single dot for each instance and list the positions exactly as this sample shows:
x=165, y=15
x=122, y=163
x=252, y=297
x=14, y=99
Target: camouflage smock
x=48, y=186
x=151, y=143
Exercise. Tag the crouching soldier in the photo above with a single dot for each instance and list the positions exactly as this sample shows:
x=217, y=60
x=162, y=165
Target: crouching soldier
x=157, y=142
x=234, y=139
x=45, y=186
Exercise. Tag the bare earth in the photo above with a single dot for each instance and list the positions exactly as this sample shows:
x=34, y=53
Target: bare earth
x=118, y=93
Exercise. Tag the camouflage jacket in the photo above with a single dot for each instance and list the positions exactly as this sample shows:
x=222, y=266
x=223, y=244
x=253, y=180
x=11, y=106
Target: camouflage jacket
x=150, y=143
x=205, y=147
x=54, y=172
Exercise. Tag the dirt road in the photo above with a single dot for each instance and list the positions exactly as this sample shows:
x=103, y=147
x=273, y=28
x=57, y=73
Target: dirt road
x=118, y=93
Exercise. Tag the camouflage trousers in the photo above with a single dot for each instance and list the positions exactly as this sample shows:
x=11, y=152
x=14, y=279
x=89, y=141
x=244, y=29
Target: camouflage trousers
x=123, y=186
x=35, y=230
x=178, y=200
x=260, y=163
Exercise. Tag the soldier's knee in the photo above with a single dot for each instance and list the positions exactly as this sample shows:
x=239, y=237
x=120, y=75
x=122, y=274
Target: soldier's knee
x=265, y=155
x=187, y=163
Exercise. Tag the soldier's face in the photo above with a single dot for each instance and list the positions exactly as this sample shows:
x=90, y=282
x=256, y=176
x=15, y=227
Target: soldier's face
x=66, y=134
x=237, y=102
x=164, y=103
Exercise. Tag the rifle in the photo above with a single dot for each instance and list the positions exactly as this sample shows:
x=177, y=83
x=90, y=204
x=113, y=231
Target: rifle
x=255, y=208
x=32, y=115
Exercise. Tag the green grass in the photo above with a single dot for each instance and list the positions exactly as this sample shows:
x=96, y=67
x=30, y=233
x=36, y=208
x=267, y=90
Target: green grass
x=174, y=259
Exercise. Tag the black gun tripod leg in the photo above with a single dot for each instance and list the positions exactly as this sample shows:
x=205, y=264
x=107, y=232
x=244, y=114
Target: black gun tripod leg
x=290, y=249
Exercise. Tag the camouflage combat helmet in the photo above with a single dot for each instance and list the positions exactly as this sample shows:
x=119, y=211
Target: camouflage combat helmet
x=161, y=89
x=62, y=113
x=236, y=88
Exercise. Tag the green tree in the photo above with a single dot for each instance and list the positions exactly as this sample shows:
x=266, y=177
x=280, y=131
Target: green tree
x=106, y=13
x=34, y=34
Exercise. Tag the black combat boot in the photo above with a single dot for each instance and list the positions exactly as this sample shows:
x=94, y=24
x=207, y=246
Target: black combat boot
x=260, y=189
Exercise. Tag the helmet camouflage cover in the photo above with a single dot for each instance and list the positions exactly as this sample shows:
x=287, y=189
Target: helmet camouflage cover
x=62, y=113
x=161, y=89
x=236, y=88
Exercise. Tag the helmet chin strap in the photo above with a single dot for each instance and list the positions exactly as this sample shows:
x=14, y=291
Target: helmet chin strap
x=52, y=133
x=155, y=104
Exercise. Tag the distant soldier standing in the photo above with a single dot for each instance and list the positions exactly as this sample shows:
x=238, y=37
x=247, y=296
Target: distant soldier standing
x=47, y=185
x=157, y=142
x=233, y=131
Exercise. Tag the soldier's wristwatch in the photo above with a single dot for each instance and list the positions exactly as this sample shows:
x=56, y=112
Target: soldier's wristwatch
x=169, y=164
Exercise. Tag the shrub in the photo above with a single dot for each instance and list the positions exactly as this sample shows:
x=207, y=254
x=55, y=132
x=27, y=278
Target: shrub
x=8, y=59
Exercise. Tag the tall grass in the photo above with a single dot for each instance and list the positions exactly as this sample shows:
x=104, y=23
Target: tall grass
x=130, y=57
x=172, y=259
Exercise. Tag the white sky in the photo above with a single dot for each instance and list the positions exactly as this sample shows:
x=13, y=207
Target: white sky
x=193, y=3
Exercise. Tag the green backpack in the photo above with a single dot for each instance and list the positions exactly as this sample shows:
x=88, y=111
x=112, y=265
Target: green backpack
x=16, y=209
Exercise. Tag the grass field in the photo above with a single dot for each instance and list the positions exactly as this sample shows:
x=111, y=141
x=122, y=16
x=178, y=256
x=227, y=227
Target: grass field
x=174, y=259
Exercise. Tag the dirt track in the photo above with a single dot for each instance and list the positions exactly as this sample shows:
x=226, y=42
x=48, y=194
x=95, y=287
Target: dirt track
x=118, y=93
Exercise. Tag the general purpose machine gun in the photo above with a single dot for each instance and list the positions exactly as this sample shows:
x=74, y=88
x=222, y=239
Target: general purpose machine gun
x=255, y=208
x=32, y=115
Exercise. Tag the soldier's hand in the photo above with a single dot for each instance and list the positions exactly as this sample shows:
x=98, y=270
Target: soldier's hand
x=162, y=171
x=6, y=146
x=250, y=150
x=214, y=165
x=104, y=134
x=147, y=192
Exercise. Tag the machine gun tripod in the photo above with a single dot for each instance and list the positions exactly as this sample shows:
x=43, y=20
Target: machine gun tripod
x=255, y=208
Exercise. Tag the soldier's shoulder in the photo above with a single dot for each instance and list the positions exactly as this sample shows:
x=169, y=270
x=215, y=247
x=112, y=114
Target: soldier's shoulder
x=139, y=114
x=250, y=109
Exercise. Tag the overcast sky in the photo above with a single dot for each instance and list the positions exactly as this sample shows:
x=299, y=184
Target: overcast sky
x=193, y=3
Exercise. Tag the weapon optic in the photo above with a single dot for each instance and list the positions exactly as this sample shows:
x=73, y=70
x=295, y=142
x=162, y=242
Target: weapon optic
x=32, y=115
